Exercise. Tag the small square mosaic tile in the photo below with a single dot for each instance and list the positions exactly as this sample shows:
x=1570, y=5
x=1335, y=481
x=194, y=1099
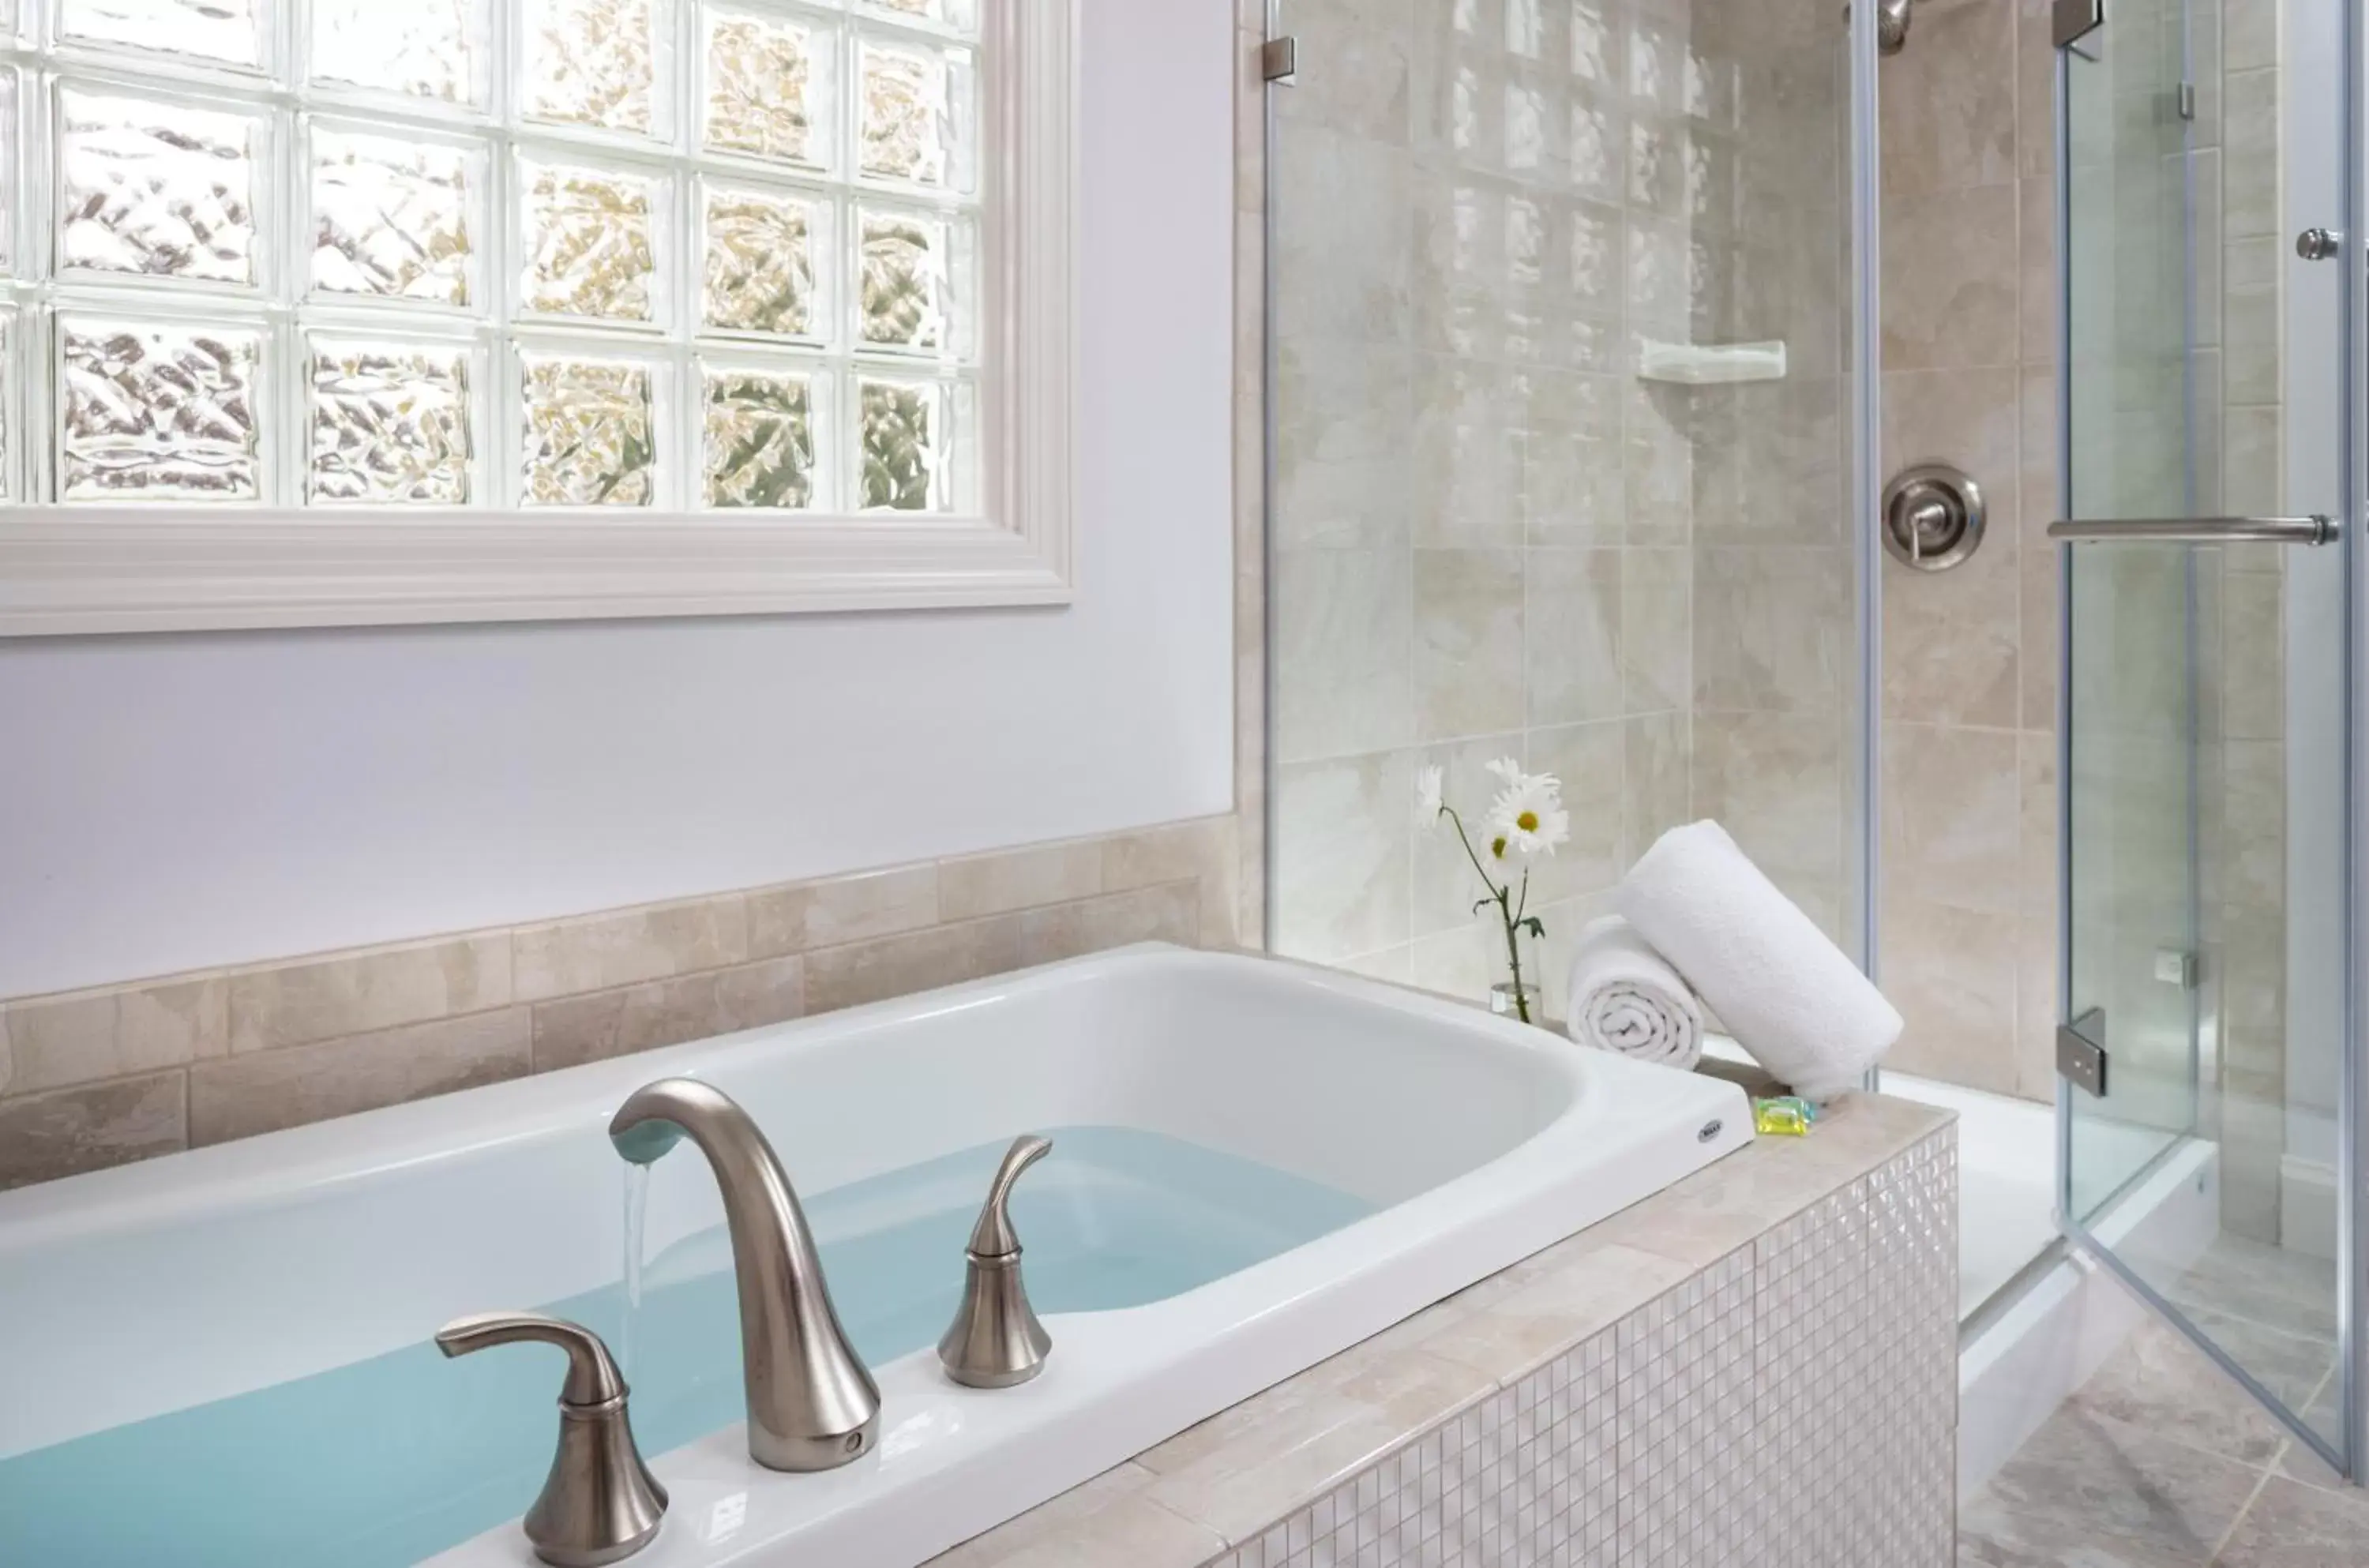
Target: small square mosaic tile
x=1794, y=1405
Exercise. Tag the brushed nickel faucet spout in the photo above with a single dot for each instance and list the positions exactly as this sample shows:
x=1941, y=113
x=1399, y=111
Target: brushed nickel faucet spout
x=812, y=1405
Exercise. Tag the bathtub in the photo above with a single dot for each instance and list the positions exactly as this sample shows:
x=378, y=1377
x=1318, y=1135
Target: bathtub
x=220, y=1355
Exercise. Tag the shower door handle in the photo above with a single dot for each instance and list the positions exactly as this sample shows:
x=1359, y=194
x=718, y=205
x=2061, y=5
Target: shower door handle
x=2313, y=530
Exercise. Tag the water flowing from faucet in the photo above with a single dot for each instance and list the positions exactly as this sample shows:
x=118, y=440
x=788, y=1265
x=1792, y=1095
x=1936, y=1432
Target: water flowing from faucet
x=637, y=1204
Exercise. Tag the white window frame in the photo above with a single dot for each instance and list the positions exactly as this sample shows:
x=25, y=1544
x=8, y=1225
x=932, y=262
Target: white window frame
x=82, y=568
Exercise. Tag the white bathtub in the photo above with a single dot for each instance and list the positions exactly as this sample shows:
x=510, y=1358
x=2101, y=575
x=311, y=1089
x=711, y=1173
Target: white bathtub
x=160, y=1287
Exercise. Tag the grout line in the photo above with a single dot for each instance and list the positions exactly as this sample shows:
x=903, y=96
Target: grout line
x=2244, y=1508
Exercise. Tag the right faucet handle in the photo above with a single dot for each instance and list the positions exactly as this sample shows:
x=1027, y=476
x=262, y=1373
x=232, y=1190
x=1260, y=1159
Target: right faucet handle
x=995, y=1339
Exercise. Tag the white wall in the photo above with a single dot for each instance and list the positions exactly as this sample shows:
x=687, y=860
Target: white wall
x=168, y=803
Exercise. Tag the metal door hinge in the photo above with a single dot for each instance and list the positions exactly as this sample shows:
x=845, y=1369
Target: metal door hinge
x=2184, y=100
x=2175, y=967
x=1279, y=60
x=2081, y=1052
x=2072, y=20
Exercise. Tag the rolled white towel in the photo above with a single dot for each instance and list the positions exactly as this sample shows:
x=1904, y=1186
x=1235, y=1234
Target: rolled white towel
x=1788, y=995
x=1626, y=999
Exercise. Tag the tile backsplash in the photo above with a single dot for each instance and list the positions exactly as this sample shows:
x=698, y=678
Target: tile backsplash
x=96, y=1078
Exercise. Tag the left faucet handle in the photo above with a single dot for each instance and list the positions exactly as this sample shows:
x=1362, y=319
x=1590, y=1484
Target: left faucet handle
x=599, y=1503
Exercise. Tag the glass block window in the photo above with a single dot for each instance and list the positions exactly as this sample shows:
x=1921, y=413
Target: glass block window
x=498, y=254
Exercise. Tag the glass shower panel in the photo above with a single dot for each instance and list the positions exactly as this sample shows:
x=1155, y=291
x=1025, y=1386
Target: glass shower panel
x=1518, y=508
x=2134, y=666
x=2207, y=823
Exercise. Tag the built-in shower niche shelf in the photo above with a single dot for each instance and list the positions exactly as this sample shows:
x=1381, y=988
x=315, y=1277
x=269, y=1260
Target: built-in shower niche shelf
x=1710, y=364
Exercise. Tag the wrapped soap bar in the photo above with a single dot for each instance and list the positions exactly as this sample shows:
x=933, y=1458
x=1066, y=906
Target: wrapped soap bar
x=1787, y=1115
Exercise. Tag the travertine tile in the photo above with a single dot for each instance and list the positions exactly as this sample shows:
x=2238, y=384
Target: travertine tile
x=1949, y=279
x=1106, y=1522
x=1775, y=780
x=2249, y=157
x=1018, y=879
x=2094, y=1490
x=2290, y=1525
x=2253, y=658
x=1657, y=792
x=1572, y=666
x=1343, y=652
x=1948, y=100
x=1463, y=961
x=1169, y=912
x=2037, y=300
x=67, y=1131
x=2254, y=806
x=1772, y=629
x=914, y=961
x=1240, y=1469
x=1202, y=850
x=1467, y=642
x=80, y=1039
x=1353, y=68
x=841, y=909
x=1657, y=630
x=1953, y=816
x=1345, y=443
x=2157, y=1382
x=1544, y=1306
x=1341, y=855
x=1952, y=973
x=240, y=1096
x=1467, y=473
x=567, y=958
x=573, y=1030
x=351, y=993
x=1344, y=270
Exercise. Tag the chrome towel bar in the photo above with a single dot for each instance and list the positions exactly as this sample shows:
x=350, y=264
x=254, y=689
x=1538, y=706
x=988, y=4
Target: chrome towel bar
x=2313, y=530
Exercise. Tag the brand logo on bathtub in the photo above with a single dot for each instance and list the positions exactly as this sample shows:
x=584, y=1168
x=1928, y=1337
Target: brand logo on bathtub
x=1710, y=1131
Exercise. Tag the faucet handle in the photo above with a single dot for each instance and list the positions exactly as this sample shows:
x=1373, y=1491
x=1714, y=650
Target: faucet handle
x=995, y=1339
x=592, y=1374
x=599, y=1503
x=993, y=1236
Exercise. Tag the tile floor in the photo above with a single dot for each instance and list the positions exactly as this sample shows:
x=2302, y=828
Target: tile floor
x=2161, y=1461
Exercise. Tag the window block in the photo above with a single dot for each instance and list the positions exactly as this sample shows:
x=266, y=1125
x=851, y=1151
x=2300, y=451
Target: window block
x=357, y=311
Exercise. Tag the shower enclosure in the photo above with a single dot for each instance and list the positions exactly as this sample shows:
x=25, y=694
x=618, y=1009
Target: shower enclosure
x=1571, y=425
x=1572, y=402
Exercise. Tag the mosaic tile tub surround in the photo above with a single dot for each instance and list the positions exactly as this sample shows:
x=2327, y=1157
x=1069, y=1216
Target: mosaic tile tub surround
x=1757, y=1368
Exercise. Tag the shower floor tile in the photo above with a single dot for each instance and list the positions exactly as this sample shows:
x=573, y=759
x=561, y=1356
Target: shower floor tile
x=2162, y=1461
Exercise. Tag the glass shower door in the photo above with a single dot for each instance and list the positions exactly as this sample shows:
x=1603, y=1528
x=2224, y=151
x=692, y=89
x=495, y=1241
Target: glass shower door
x=2204, y=767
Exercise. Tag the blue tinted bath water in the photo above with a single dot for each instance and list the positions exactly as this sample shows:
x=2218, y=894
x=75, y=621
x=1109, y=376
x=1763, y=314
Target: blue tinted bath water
x=394, y=1459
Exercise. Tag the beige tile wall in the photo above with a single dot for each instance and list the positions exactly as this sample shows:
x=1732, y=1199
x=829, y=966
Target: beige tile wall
x=96, y=1078
x=99, y=1078
x=1968, y=911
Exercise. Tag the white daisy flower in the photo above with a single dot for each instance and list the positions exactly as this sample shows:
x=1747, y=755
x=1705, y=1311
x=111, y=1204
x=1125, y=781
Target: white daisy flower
x=1528, y=817
x=1430, y=795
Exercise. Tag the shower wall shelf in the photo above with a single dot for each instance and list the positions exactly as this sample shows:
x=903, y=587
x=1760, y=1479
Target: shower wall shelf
x=1710, y=364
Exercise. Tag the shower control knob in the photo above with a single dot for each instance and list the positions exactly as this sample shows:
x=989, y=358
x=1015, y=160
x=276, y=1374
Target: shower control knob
x=2319, y=245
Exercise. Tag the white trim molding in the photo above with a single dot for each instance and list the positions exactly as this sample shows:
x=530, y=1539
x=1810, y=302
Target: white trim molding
x=74, y=569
